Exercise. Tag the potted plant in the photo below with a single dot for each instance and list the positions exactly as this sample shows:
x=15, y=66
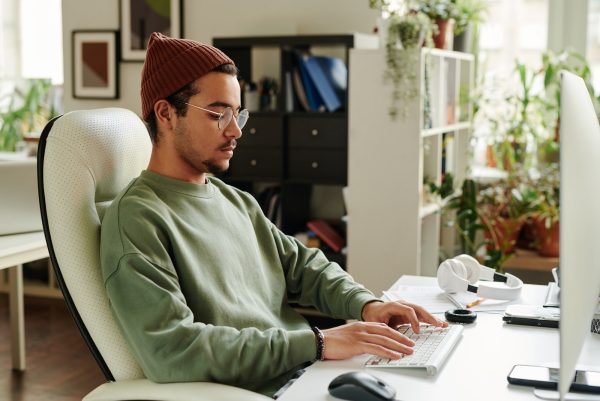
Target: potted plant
x=442, y=13
x=27, y=112
x=406, y=35
x=503, y=208
x=469, y=14
x=547, y=211
x=406, y=31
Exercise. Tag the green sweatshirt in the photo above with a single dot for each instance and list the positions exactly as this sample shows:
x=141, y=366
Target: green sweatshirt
x=199, y=281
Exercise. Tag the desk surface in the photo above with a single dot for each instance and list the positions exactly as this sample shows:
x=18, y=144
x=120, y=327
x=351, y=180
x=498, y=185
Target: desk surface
x=476, y=369
x=17, y=249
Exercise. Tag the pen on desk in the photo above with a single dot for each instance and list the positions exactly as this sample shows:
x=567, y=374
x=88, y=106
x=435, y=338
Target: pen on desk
x=475, y=303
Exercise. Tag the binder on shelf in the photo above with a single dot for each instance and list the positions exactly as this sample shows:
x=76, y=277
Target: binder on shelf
x=327, y=234
x=315, y=101
x=329, y=75
x=299, y=90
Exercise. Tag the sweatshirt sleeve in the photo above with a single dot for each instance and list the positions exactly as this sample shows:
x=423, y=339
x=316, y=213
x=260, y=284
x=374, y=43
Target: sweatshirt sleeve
x=313, y=280
x=170, y=346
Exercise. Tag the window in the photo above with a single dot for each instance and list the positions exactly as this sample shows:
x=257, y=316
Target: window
x=31, y=40
x=513, y=30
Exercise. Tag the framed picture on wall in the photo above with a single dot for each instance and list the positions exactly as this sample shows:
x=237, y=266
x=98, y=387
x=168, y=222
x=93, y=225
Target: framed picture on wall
x=95, y=70
x=139, y=18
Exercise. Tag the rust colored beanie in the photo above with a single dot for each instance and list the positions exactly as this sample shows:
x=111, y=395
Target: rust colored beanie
x=173, y=63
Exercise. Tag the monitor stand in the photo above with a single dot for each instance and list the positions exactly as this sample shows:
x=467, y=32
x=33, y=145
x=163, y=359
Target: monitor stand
x=552, y=296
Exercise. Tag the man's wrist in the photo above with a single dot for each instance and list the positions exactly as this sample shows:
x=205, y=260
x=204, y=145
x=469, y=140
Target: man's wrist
x=364, y=308
x=320, y=340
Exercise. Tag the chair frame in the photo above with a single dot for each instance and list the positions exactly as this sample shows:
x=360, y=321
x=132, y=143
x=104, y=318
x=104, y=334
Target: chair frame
x=55, y=265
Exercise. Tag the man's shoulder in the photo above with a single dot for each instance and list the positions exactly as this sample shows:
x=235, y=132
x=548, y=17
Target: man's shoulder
x=137, y=198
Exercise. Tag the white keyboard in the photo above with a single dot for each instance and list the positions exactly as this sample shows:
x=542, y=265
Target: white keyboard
x=432, y=347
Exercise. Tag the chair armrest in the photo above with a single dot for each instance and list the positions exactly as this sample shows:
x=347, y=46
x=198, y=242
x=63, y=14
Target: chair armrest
x=145, y=389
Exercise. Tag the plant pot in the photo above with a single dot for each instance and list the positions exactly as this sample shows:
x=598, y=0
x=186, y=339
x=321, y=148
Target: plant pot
x=462, y=41
x=548, y=238
x=445, y=36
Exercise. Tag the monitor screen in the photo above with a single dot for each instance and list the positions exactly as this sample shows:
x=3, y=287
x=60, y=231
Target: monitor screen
x=579, y=221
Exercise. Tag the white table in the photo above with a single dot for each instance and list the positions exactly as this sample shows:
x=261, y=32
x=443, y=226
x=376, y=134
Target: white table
x=14, y=251
x=476, y=369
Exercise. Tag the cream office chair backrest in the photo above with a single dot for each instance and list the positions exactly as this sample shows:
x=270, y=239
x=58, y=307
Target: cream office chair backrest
x=85, y=159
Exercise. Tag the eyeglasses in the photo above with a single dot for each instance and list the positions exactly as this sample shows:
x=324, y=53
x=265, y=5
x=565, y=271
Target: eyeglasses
x=224, y=118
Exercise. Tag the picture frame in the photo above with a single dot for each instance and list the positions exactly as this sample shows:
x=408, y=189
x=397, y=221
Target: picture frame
x=95, y=68
x=139, y=18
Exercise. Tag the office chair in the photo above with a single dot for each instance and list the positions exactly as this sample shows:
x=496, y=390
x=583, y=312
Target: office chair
x=85, y=159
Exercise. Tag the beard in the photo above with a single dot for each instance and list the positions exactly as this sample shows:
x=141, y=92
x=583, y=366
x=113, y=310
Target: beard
x=213, y=168
x=186, y=149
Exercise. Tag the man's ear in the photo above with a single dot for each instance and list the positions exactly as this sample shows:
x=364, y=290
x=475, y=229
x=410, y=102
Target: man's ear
x=164, y=114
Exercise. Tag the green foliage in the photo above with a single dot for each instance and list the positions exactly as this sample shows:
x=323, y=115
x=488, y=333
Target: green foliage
x=27, y=111
x=438, y=9
x=468, y=12
x=467, y=218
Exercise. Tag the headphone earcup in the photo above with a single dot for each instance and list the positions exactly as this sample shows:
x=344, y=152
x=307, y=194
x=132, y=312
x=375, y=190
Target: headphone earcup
x=472, y=266
x=452, y=276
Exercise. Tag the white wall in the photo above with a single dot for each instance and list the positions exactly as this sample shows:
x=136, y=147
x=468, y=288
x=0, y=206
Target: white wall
x=205, y=19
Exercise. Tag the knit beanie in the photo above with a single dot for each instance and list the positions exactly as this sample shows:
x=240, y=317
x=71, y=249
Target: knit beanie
x=173, y=63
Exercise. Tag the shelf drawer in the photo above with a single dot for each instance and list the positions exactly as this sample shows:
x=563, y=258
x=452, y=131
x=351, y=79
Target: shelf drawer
x=257, y=163
x=318, y=132
x=263, y=131
x=328, y=166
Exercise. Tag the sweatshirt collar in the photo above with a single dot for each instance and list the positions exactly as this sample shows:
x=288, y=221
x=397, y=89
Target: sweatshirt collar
x=188, y=188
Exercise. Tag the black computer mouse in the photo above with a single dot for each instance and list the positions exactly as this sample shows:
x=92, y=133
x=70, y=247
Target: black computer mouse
x=361, y=386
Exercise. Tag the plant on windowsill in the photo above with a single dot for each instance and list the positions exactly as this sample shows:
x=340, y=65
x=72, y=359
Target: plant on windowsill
x=503, y=208
x=27, y=111
x=546, y=211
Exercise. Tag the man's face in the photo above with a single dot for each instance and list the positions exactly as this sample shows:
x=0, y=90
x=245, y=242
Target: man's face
x=198, y=140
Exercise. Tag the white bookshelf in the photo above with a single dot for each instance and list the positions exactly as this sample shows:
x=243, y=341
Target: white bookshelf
x=391, y=229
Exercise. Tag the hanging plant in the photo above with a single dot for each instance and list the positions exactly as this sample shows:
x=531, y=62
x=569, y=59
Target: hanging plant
x=406, y=35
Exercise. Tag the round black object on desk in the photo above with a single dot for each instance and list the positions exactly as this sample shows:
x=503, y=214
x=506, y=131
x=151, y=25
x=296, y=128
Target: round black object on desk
x=461, y=316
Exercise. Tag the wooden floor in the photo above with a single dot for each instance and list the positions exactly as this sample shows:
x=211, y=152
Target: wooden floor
x=59, y=365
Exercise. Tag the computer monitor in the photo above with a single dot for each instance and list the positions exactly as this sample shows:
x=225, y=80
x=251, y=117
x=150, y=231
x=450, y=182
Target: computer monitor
x=579, y=222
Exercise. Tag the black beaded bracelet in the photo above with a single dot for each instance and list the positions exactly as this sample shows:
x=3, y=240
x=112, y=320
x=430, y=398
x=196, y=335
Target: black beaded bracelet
x=320, y=338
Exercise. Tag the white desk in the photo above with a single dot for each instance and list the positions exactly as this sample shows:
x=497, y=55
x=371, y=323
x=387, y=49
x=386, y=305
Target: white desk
x=476, y=369
x=14, y=251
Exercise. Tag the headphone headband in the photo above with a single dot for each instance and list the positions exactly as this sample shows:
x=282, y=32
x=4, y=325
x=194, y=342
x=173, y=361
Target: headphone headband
x=462, y=272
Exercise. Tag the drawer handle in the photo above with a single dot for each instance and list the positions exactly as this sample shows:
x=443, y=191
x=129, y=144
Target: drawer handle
x=253, y=162
x=314, y=132
x=253, y=131
x=314, y=165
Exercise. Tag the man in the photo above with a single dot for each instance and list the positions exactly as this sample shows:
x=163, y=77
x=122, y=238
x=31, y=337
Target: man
x=198, y=278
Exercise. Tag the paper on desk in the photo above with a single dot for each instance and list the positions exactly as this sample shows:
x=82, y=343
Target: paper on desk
x=436, y=300
x=433, y=299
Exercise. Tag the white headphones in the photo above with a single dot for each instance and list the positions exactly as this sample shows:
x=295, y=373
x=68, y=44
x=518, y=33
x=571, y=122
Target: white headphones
x=463, y=271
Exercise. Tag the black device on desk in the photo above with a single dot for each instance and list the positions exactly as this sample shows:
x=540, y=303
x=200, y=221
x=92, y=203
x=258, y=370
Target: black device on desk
x=531, y=315
x=544, y=377
x=361, y=386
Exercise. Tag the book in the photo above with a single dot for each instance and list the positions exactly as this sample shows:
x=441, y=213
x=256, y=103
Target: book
x=327, y=234
x=299, y=90
x=329, y=75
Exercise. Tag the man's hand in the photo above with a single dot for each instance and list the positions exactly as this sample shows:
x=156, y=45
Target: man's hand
x=377, y=335
x=358, y=338
x=397, y=313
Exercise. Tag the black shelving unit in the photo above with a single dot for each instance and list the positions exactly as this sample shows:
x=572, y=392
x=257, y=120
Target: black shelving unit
x=295, y=149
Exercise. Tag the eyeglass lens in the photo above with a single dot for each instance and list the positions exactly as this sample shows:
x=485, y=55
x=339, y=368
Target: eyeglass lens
x=227, y=115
